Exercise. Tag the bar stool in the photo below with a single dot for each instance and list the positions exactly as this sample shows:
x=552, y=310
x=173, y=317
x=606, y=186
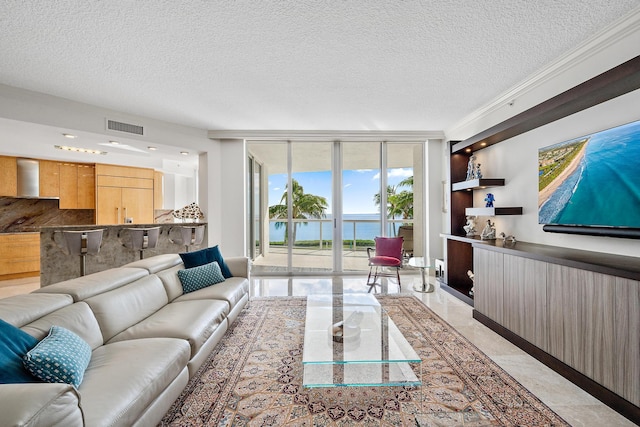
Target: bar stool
x=82, y=243
x=141, y=239
x=189, y=236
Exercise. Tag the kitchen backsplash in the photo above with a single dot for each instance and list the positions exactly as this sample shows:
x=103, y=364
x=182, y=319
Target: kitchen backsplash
x=18, y=215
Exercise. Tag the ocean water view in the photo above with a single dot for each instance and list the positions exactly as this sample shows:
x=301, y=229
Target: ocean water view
x=367, y=227
x=605, y=188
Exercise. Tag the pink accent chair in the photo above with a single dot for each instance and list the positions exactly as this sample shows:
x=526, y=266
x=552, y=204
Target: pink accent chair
x=388, y=254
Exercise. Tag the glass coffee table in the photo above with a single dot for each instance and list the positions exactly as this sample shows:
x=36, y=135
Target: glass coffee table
x=350, y=340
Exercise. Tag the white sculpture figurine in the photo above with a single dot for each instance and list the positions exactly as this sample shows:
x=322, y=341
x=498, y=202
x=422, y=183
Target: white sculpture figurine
x=471, y=168
x=470, y=228
x=489, y=231
x=511, y=238
x=472, y=277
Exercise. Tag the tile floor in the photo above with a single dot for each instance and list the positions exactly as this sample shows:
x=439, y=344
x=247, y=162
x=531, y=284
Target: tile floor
x=577, y=407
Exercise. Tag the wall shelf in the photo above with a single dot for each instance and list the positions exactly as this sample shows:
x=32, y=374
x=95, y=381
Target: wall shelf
x=474, y=184
x=493, y=211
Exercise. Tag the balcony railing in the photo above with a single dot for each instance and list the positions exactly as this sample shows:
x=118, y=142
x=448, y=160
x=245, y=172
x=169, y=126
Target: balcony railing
x=357, y=234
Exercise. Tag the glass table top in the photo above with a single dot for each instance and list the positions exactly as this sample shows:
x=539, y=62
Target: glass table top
x=351, y=341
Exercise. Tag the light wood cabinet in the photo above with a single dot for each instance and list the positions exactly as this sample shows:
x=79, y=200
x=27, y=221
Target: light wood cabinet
x=19, y=255
x=8, y=176
x=124, y=194
x=585, y=319
x=116, y=204
x=77, y=186
x=488, y=267
x=86, y=186
x=49, y=178
x=158, y=190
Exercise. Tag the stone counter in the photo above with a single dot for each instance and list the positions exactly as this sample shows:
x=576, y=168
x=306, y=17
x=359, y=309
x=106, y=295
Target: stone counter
x=56, y=266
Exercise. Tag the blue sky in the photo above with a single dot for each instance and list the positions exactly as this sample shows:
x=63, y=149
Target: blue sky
x=359, y=187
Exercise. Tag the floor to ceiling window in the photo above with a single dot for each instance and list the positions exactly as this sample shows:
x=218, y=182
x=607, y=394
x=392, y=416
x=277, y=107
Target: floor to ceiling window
x=321, y=204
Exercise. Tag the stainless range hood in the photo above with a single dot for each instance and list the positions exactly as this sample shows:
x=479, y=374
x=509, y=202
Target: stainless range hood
x=28, y=178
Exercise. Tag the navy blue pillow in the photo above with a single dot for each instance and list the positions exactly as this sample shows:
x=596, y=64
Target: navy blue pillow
x=14, y=343
x=206, y=256
x=194, y=259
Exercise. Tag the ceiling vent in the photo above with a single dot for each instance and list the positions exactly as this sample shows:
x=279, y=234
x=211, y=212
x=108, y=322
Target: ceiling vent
x=125, y=127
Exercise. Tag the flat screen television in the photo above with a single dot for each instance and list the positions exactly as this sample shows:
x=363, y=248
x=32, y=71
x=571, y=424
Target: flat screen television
x=591, y=184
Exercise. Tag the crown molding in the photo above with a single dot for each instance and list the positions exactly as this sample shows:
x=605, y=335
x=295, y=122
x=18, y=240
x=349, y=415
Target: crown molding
x=326, y=135
x=599, y=42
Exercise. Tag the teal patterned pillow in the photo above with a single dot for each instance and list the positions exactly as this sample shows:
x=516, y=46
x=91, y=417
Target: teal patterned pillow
x=200, y=277
x=61, y=357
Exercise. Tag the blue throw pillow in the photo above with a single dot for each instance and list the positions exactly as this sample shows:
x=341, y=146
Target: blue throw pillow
x=206, y=256
x=14, y=344
x=217, y=257
x=61, y=357
x=195, y=259
x=200, y=277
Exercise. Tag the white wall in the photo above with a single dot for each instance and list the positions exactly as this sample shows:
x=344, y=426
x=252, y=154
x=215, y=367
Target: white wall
x=232, y=197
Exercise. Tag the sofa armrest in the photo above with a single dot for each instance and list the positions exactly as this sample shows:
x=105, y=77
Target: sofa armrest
x=239, y=266
x=40, y=404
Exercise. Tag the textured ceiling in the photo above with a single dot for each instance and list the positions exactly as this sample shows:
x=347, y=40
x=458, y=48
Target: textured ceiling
x=291, y=64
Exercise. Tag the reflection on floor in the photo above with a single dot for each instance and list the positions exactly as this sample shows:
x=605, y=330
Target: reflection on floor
x=577, y=407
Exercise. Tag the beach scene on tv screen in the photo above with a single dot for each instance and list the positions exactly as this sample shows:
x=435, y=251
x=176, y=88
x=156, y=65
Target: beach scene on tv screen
x=593, y=180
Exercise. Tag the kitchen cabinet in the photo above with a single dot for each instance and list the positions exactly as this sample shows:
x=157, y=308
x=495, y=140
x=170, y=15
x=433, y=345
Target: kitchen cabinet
x=19, y=255
x=49, y=178
x=77, y=186
x=8, y=176
x=124, y=195
x=158, y=189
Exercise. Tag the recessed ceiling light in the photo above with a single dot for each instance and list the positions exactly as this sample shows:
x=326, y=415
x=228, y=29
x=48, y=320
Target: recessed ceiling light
x=468, y=150
x=79, y=149
x=114, y=142
x=184, y=153
x=68, y=135
x=484, y=144
x=152, y=148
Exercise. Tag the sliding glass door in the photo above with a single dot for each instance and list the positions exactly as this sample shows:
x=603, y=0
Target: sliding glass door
x=321, y=204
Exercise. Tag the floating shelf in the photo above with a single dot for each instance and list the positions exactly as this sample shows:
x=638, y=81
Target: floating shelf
x=493, y=211
x=473, y=184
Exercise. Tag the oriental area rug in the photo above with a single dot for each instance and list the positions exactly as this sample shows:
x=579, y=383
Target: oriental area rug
x=254, y=378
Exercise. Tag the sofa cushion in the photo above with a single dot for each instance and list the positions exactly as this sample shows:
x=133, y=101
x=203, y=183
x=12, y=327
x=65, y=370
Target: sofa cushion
x=20, y=310
x=193, y=321
x=61, y=357
x=231, y=290
x=205, y=256
x=93, y=284
x=200, y=277
x=78, y=318
x=156, y=263
x=120, y=308
x=124, y=378
x=14, y=344
x=171, y=281
x=41, y=404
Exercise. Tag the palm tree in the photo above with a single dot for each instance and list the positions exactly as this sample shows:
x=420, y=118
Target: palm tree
x=304, y=206
x=399, y=204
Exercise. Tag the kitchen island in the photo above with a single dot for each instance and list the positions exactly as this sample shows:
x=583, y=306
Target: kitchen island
x=56, y=265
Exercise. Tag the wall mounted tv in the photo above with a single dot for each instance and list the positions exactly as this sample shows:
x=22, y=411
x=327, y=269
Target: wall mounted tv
x=591, y=184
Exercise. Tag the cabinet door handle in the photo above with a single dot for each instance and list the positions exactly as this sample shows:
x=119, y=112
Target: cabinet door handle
x=118, y=215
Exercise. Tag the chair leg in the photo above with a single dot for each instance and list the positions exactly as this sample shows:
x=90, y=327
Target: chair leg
x=398, y=274
x=369, y=283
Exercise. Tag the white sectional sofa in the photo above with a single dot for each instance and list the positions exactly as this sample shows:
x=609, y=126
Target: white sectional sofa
x=147, y=338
